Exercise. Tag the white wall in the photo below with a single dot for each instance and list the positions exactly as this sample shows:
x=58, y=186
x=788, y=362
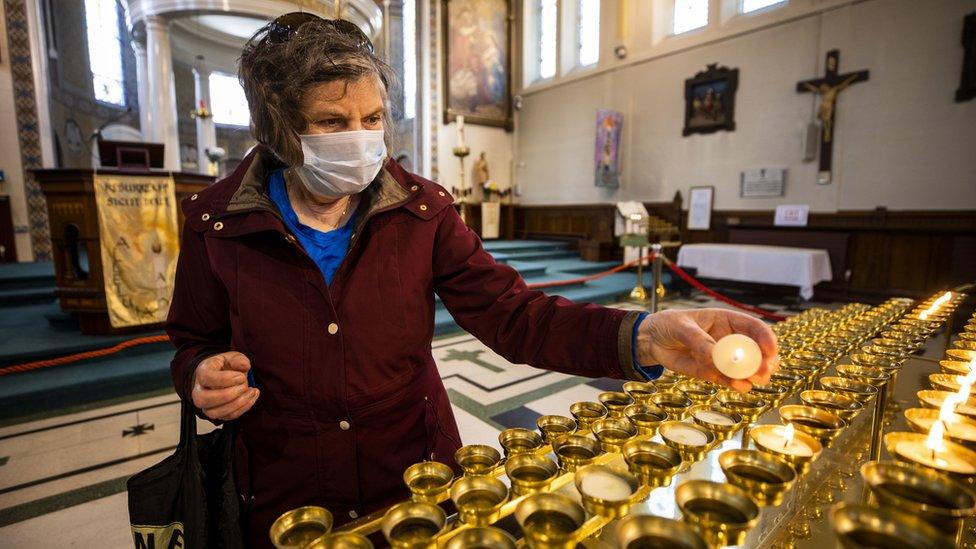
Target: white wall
x=901, y=141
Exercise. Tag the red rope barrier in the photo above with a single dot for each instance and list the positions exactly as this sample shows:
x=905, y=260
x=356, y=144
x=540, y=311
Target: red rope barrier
x=737, y=304
x=28, y=366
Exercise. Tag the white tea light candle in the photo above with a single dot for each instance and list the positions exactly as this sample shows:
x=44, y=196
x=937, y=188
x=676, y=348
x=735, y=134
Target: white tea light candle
x=687, y=435
x=605, y=486
x=737, y=356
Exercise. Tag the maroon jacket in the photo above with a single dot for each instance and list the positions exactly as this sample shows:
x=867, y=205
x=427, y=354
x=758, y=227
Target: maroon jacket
x=350, y=394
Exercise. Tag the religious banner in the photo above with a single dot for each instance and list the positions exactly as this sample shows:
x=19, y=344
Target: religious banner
x=140, y=241
x=608, y=124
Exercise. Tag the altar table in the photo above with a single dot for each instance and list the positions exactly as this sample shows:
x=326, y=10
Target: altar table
x=801, y=267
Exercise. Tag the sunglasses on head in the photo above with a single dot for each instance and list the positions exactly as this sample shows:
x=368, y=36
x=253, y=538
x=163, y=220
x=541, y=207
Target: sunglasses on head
x=285, y=27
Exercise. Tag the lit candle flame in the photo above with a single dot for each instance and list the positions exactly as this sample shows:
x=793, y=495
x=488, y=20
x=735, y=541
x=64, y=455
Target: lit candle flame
x=924, y=315
x=738, y=355
x=788, y=433
x=934, y=441
x=947, y=412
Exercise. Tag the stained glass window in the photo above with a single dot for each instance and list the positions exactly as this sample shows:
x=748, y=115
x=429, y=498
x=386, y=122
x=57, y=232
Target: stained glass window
x=105, y=50
x=690, y=15
x=229, y=103
x=589, y=32
x=546, y=37
x=409, y=59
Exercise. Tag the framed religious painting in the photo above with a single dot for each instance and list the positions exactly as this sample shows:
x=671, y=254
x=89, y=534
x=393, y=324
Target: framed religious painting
x=710, y=100
x=607, y=157
x=477, y=56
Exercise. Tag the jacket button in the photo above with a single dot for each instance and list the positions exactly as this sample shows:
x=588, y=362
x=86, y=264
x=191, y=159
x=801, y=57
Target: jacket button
x=194, y=197
x=218, y=226
x=415, y=188
x=290, y=238
x=205, y=217
x=423, y=207
x=344, y=425
x=333, y=328
x=353, y=514
x=442, y=193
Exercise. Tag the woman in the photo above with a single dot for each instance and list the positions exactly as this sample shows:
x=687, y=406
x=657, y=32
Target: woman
x=304, y=297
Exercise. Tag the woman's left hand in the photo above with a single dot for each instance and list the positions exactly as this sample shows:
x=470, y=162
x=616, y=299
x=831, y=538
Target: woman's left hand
x=682, y=341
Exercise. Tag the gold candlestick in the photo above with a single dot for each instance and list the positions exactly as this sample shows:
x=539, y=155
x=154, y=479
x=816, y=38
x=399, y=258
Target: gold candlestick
x=462, y=193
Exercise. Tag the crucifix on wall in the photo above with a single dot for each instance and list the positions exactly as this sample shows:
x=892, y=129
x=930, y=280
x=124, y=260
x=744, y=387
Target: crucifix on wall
x=828, y=88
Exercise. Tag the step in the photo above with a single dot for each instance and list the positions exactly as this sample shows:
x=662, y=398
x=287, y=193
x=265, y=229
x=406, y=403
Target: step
x=17, y=275
x=19, y=297
x=542, y=255
x=577, y=266
x=528, y=269
x=524, y=245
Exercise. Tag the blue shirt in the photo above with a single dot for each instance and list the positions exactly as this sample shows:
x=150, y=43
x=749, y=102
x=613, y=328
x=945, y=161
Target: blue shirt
x=649, y=372
x=327, y=250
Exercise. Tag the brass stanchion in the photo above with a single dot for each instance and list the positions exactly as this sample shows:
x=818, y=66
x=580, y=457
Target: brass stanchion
x=656, y=283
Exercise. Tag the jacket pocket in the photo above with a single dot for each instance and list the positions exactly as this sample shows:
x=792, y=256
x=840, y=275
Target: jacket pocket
x=442, y=441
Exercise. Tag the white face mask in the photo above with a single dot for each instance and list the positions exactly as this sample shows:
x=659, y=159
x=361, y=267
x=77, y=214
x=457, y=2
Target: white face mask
x=341, y=163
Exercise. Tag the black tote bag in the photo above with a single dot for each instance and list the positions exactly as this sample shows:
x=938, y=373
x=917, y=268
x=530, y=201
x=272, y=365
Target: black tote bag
x=188, y=500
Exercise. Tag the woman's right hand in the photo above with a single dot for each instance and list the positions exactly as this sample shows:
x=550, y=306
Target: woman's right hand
x=220, y=386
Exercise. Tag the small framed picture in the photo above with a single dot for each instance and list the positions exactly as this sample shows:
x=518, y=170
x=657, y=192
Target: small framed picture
x=710, y=100
x=700, y=208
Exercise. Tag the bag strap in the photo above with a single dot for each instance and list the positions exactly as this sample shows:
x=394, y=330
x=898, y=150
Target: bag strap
x=188, y=428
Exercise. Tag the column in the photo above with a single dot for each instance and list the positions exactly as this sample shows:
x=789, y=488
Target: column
x=387, y=32
x=142, y=84
x=206, y=131
x=162, y=90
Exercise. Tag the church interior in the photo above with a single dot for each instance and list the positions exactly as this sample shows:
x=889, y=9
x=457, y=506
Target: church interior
x=803, y=171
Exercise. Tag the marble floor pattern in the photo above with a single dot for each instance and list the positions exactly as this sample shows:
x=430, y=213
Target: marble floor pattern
x=62, y=478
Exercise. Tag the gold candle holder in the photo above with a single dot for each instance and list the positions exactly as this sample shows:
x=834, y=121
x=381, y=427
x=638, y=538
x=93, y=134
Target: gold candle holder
x=858, y=390
x=607, y=492
x=823, y=425
x=862, y=526
x=341, y=540
x=945, y=382
x=612, y=433
x=764, y=477
x=479, y=499
x=799, y=450
x=640, y=391
x=518, y=440
x=428, y=481
x=690, y=440
x=717, y=420
x=792, y=380
x=413, y=525
x=964, y=344
x=575, y=451
x=700, y=392
x=723, y=513
x=961, y=430
x=530, y=473
x=747, y=405
x=477, y=459
x=935, y=399
x=883, y=362
x=866, y=374
x=654, y=464
x=675, y=403
x=667, y=381
x=552, y=427
x=844, y=406
x=954, y=367
x=960, y=354
x=634, y=531
x=299, y=527
x=615, y=402
x=585, y=413
x=646, y=417
x=550, y=521
x=934, y=497
x=773, y=393
x=953, y=459
x=482, y=538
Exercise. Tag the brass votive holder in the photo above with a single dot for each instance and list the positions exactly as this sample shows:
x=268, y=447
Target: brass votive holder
x=860, y=526
x=858, y=390
x=675, y=403
x=299, y=527
x=723, y=513
x=530, y=473
x=964, y=344
x=638, y=531
x=606, y=492
x=640, y=391
x=954, y=367
x=819, y=360
x=960, y=354
x=844, y=406
x=481, y=538
x=615, y=402
x=428, y=481
x=700, y=392
x=479, y=499
x=585, y=413
x=799, y=453
x=934, y=497
x=807, y=370
x=953, y=459
x=552, y=427
x=666, y=381
x=690, y=440
x=773, y=393
x=613, y=433
x=646, y=417
x=867, y=374
x=823, y=425
x=654, y=464
x=935, y=399
x=575, y=451
x=747, y=405
x=761, y=475
x=945, y=382
x=341, y=540
x=961, y=429
x=719, y=421
x=477, y=459
x=793, y=380
x=883, y=362
x=518, y=440
x=413, y=525
x=549, y=521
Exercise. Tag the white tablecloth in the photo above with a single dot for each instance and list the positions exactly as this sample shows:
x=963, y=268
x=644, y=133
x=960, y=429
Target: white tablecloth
x=802, y=267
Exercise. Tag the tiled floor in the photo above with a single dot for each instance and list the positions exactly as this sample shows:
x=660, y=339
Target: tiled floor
x=62, y=479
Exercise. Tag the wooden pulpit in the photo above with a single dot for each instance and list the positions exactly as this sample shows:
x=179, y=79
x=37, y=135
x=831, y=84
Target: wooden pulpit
x=73, y=218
